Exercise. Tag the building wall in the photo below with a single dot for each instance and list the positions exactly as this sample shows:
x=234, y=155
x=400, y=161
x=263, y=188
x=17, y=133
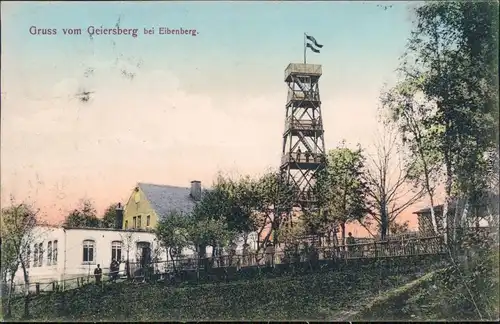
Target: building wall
x=425, y=224
x=46, y=271
x=102, y=240
x=425, y=221
x=138, y=205
x=69, y=261
x=70, y=250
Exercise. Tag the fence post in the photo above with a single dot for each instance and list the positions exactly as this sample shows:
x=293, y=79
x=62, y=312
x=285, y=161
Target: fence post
x=37, y=286
x=53, y=286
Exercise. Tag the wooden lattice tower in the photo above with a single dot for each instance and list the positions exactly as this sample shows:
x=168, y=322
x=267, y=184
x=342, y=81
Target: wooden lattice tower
x=303, y=140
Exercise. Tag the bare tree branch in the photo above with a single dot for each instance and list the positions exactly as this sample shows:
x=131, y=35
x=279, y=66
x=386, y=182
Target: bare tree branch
x=389, y=188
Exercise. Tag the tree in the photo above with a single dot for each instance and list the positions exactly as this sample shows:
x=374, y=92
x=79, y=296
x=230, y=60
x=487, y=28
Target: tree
x=18, y=224
x=249, y=205
x=83, y=216
x=209, y=231
x=172, y=232
x=396, y=228
x=109, y=218
x=389, y=182
x=275, y=198
x=9, y=267
x=231, y=200
x=451, y=59
x=408, y=112
x=128, y=244
x=341, y=190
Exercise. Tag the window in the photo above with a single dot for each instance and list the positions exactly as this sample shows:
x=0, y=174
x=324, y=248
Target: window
x=139, y=221
x=54, y=252
x=88, y=251
x=40, y=254
x=126, y=224
x=35, y=255
x=116, y=250
x=49, y=253
x=148, y=220
x=135, y=222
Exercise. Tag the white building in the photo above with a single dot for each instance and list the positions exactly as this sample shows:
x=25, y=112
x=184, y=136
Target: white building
x=63, y=253
x=60, y=253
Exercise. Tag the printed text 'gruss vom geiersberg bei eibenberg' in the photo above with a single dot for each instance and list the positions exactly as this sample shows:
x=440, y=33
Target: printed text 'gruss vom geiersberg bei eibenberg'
x=117, y=31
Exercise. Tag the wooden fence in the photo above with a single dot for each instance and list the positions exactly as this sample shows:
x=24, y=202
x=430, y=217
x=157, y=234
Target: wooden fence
x=414, y=246
x=387, y=249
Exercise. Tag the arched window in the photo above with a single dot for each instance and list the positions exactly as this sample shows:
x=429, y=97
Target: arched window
x=88, y=251
x=116, y=250
x=54, y=252
x=49, y=253
x=35, y=255
x=40, y=254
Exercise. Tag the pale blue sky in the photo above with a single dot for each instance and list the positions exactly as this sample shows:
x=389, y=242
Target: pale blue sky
x=360, y=39
x=197, y=105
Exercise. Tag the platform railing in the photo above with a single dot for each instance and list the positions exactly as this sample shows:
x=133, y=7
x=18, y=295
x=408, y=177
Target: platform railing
x=302, y=157
x=305, y=69
x=306, y=125
x=301, y=96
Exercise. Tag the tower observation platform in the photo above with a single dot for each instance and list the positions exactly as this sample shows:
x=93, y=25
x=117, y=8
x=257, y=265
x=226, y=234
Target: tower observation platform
x=303, y=153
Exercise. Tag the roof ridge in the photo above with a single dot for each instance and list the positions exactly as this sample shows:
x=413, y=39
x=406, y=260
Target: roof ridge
x=160, y=185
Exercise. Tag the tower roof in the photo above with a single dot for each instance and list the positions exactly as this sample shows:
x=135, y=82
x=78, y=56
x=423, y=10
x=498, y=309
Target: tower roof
x=313, y=70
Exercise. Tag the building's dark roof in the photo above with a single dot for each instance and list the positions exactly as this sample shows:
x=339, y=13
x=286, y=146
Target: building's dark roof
x=493, y=197
x=438, y=209
x=165, y=199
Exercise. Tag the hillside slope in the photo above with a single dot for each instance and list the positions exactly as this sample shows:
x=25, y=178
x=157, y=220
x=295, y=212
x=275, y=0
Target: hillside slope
x=464, y=292
x=320, y=296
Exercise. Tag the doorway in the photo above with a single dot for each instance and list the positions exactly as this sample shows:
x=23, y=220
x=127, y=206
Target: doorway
x=144, y=251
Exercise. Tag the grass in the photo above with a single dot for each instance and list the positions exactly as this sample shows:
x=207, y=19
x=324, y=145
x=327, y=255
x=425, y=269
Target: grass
x=455, y=293
x=330, y=295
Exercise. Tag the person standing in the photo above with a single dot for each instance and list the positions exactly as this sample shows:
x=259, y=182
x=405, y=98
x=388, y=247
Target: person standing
x=98, y=274
x=114, y=269
x=350, y=243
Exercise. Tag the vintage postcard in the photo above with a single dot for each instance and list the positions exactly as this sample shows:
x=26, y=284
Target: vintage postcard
x=249, y=161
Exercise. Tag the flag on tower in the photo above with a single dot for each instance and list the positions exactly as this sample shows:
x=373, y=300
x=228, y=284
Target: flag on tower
x=315, y=48
x=312, y=48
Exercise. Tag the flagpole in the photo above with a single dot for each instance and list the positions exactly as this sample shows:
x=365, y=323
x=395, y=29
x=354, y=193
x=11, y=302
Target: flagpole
x=305, y=48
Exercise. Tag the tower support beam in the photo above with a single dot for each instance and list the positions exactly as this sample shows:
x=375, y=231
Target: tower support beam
x=303, y=154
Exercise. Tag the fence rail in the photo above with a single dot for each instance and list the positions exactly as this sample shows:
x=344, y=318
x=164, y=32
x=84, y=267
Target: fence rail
x=396, y=248
x=411, y=246
x=38, y=287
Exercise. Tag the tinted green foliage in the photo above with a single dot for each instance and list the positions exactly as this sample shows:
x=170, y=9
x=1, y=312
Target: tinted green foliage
x=321, y=296
x=446, y=103
x=84, y=215
x=467, y=292
x=109, y=218
x=172, y=232
x=340, y=189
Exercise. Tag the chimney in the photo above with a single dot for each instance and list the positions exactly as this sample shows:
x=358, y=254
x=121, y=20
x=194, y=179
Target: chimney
x=119, y=216
x=195, y=190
